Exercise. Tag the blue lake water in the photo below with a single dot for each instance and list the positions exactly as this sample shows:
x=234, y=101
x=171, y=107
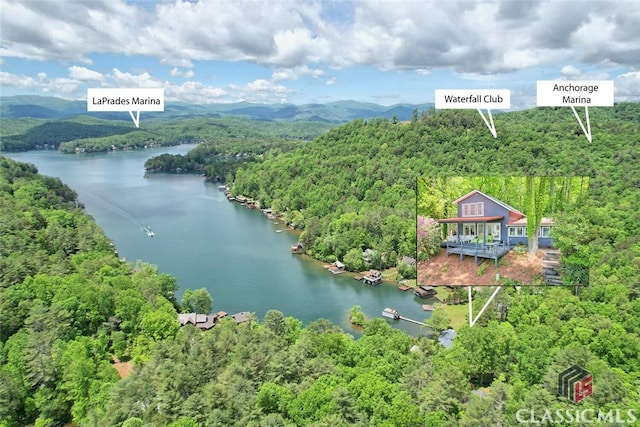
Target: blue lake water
x=205, y=241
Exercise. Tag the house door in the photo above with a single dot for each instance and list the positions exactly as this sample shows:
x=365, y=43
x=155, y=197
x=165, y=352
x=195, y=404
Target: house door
x=493, y=230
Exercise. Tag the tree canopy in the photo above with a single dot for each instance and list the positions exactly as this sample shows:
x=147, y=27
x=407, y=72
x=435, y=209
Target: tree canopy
x=70, y=307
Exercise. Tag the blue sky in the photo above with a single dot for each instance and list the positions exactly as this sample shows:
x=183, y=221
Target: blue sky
x=280, y=51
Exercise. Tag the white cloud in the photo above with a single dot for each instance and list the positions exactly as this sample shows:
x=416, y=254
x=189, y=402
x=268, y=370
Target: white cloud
x=175, y=72
x=85, y=75
x=59, y=86
x=570, y=72
x=196, y=93
x=627, y=86
x=261, y=90
x=330, y=81
x=13, y=80
x=126, y=79
x=296, y=72
x=296, y=38
x=67, y=31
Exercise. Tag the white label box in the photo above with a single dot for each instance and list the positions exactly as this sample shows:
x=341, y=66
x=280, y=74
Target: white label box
x=125, y=99
x=467, y=99
x=566, y=93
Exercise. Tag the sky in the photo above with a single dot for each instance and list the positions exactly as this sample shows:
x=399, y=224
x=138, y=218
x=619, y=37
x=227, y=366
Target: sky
x=281, y=51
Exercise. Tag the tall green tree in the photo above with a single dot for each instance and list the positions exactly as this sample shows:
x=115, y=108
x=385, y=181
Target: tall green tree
x=198, y=301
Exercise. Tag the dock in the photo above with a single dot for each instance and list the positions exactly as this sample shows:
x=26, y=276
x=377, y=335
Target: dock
x=404, y=288
x=406, y=319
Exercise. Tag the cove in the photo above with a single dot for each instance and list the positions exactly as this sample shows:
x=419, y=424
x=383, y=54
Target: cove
x=241, y=257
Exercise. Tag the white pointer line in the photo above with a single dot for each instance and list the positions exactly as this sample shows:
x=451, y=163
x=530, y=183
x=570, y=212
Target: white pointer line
x=587, y=131
x=473, y=321
x=492, y=126
x=136, y=119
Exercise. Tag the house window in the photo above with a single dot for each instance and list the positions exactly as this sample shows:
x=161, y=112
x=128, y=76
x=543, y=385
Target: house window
x=544, y=232
x=469, y=229
x=493, y=230
x=516, y=232
x=473, y=209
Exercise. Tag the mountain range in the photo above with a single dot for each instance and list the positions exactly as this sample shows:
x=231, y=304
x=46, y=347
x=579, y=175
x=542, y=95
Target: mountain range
x=41, y=107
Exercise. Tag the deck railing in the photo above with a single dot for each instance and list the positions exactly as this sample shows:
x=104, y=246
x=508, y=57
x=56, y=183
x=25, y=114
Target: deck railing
x=474, y=248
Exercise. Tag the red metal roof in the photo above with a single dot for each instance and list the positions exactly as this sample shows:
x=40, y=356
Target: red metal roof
x=472, y=219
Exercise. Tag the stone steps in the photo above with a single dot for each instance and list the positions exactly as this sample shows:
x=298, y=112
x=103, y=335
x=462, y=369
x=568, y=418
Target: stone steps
x=551, y=264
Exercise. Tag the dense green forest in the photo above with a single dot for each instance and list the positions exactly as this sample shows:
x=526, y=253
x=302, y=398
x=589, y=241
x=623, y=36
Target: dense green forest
x=219, y=159
x=354, y=187
x=69, y=306
x=87, y=134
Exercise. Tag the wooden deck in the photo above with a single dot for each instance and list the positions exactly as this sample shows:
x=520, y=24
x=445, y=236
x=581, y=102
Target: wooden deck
x=478, y=250
x=406, y=319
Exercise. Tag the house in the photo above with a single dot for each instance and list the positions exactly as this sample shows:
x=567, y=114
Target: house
x=373, y=278
x=485, y=219
x=408, y=260
x=297, y=248
x=517, y=232
x=243, y=316
x=202, y=321
x=390, y=313
x=423, y=291
x=337, y=267
x=367, y=255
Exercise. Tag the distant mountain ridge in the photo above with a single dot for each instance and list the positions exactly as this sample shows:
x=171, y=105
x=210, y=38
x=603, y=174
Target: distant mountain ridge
x=42, y=107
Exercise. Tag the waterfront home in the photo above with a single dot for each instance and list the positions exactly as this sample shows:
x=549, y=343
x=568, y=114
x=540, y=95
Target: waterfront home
x=408, y=260
x=483, y=219
x=199, y=320
x=337, y=267
x=373, y=278
x=243, y=316
x=367, y=255
x=423, y=291
x=390, y=313
x=297, y=248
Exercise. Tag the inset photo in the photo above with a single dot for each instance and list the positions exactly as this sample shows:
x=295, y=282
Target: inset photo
x=520, y=231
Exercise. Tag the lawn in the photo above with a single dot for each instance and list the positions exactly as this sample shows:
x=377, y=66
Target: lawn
x=457, y=312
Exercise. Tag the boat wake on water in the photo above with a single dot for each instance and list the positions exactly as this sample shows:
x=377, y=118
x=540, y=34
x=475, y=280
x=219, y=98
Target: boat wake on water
x=148, y=231
x=118, y=210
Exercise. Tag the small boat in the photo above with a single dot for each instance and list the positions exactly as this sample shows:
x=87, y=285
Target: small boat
x=222, y=187
x=148, y=231
x=390, y=313
x=279, y=231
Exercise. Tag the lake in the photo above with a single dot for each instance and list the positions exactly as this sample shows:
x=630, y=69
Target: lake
x=237, y=254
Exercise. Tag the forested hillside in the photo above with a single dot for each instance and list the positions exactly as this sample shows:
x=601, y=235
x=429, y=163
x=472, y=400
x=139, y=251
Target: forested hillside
x=354, y=187
x=69, y=305
x=88, y=134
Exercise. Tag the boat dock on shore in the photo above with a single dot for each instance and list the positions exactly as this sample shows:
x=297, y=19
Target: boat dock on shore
x=392, y=313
